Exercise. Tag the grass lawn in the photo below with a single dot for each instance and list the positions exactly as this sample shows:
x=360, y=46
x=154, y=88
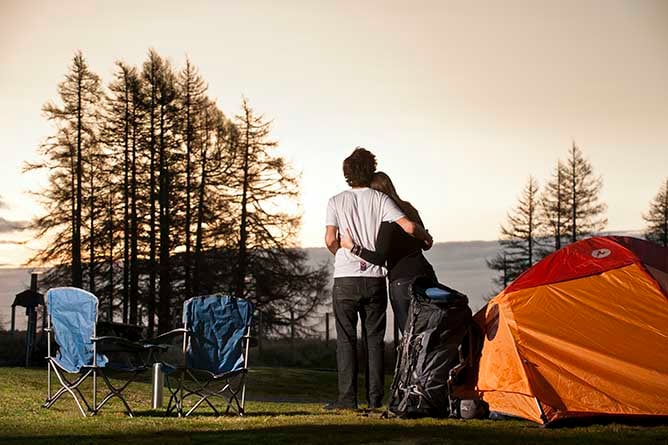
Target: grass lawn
x=285, y=407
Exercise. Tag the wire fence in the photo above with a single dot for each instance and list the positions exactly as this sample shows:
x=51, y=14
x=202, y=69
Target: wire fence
x=320, y=325
x=317, y=350
x=305, y=343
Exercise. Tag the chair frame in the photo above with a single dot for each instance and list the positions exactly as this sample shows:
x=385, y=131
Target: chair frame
x=72, y=386
x=233, y=393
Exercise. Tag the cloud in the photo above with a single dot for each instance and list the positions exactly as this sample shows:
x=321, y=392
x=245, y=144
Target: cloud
x=14, y=243
x=3, y=204
x=7, y=225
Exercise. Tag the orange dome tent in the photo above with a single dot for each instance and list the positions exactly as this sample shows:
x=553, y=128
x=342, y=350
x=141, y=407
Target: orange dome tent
x=582, y=333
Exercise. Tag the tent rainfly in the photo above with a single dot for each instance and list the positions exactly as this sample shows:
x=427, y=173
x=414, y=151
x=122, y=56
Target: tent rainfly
x=582, y=333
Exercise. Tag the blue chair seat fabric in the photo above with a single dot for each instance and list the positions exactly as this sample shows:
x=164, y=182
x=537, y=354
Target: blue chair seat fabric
x=213, y=364
x=72, y=322
x=73, y=315
x=217, y=325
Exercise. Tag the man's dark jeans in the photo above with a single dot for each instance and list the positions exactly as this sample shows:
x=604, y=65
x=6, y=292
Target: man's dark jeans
x=368, y=298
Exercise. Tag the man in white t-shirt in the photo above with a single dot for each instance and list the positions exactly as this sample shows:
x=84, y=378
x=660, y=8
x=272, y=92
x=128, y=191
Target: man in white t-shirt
x=359, y=287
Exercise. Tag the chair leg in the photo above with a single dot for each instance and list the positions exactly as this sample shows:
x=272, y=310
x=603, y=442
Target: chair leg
x=48, y=380
x=70, y=387
x=203, y=398
x=116, y=392
x=180, y=397
x=94, y=390
x=175, y=403
x=202, y=391
x=243, y=395
x=233, y=395
x=171, y=405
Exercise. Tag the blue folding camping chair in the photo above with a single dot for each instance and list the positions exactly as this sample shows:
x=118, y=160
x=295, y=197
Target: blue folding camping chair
x=214, y=354
x=72, y=316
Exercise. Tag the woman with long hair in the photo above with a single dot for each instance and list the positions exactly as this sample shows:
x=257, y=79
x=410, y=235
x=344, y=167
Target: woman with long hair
x=398, y=251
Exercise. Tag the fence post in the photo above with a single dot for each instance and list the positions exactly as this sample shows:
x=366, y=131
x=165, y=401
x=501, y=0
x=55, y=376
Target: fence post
x=259, y=333
x=13, y=319
x=32, y=324
x=292, y=336
x=30, y=335
x=44, y=315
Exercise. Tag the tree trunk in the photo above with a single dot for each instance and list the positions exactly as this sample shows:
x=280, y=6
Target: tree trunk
x=243, y=234
x=73, y=201
x=91, y=253
x=187, y=282
x=531, y=210
x=164, y=320
x=574, y=197
x=665, y=216
x=200, y=208
x=77, y=279
x=110, y=216
x=134, y=229
x=152, y=240
x=557, y=238
x=126, y=202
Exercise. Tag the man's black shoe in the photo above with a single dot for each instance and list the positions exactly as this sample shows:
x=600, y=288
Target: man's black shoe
x=339, y=405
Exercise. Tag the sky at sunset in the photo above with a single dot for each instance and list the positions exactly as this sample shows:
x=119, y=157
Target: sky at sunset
x=460, y=101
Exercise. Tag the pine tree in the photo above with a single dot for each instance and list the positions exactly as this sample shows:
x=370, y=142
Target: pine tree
x=214, y=230
x=96, y=172
x=520, y=242
x=59, y=159
x=261, y=179
x=122, y=124
x=506, y=269
x=136, y=119
x=192, y=99
x=108, y=255
x=160, y=146
x=64, y=155
x=267, y=270
x=585, y=212
x=167, y=167
x=151, y=82
x=656, y=229
x=554, y=207
x=161, y=197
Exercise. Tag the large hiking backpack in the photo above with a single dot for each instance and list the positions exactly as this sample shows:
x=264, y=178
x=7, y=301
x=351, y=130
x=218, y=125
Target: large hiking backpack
x=438, y=342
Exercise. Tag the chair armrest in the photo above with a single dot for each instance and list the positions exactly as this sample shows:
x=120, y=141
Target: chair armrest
x=252, y=341
x=167, y=336
x=120, y=344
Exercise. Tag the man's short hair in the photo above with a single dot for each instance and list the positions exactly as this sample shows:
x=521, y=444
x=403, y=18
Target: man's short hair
x=359, y=167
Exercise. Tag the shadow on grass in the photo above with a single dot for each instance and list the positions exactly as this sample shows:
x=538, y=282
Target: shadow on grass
x=212, y=415
x=392, y=432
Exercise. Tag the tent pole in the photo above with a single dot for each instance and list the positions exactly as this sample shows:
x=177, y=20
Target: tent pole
x=543, y=417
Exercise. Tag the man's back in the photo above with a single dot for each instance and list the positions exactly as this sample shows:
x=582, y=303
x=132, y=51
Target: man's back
x=360, y=210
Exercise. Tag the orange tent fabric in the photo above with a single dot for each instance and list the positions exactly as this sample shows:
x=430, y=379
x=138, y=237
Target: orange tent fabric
x=584, y=332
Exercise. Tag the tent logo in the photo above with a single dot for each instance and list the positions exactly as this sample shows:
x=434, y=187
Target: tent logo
x=600, y=253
